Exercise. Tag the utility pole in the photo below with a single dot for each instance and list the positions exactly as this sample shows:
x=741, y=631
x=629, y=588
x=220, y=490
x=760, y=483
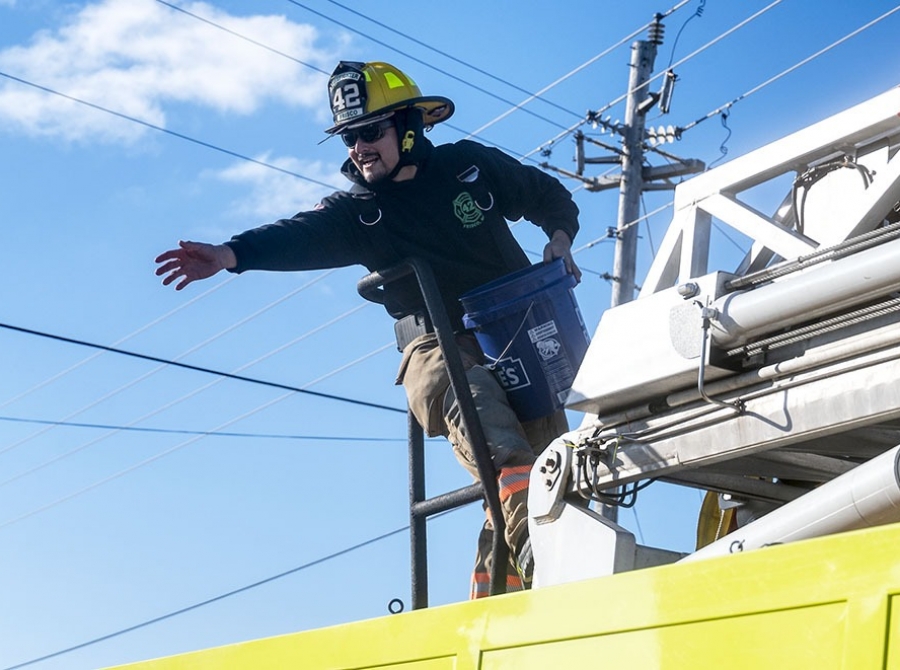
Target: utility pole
x=635, y=177
x=631, y=182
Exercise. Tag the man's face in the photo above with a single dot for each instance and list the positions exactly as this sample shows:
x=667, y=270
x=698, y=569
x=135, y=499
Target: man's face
x=377, y=158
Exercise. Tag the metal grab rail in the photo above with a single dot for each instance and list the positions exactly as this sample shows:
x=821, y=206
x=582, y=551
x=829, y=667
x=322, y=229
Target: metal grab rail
x=370, y=288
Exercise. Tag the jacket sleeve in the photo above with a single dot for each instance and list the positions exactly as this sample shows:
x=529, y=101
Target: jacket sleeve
x=523, y=191
x=313, y=240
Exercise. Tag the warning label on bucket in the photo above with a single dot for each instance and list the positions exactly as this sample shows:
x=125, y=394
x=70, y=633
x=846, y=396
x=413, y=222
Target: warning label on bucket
x=554, y=364
x=542, y=331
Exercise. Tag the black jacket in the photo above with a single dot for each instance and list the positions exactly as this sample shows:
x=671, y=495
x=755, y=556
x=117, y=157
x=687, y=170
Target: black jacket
x=455, y=223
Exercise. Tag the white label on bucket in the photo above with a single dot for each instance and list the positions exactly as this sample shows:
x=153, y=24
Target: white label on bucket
x=548, y=348
x=511, y=374
x=543, y=331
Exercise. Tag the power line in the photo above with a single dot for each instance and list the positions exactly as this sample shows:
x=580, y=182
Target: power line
x=797, y=65
x=158, y=410
x=591, y=61
x=609, y=105
x=205, y=433
x=697, y=52
x=161, y=129
x=423, y=62
x=198, y=368
x=85, y=361
x=467, y=134
x=162, y=454
x=532, y=96
x=116, y=429
x=296, y=60
x=234, y=592
x=215, y=599
x=629, y=224
x=241, y=36
x=196, y=347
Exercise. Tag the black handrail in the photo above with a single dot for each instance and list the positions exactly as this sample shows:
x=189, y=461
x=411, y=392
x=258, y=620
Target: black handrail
x=371, y=288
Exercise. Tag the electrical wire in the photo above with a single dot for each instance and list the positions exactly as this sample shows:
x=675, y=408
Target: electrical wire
x=578, y=69
x=122, y=340
x=183, y=398
x=296, y=60
x=466, y=134
x=205, y=433
x=423, y=62
x=602, y=54
x=195, y=348
x=794, y=67
x=241, y=36
x=592, y=243
x=215, y=599
x=697, y=14
x=153, y=126
x=597, y=114
x=166, y=452
x=723, y=147
x=649, y=231
x=197, y=368
x=532, y=96
x=228, y=594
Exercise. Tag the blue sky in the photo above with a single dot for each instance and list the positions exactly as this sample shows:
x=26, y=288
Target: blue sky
x=104, y=526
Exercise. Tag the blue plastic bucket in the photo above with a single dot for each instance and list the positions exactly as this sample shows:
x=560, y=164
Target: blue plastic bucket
x=531, y=331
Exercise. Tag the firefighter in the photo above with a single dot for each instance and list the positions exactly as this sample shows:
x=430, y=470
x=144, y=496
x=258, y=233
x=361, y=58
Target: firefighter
x=447, y=205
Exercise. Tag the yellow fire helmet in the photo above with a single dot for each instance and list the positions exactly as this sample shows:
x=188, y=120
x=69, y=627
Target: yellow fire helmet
x=363, y=93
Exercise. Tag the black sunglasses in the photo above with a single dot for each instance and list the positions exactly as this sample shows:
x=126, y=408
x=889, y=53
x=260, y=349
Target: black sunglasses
x=368, y=134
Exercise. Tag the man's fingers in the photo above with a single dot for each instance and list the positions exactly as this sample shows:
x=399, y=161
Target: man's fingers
x=168, y=279
x=172, y=254
x=168, y=267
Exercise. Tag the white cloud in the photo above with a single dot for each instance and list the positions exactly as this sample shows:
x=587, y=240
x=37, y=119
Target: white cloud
x=134, y=56
x=275, y=194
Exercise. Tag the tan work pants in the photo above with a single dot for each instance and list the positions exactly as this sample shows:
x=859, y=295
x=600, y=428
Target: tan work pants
x=512, y=444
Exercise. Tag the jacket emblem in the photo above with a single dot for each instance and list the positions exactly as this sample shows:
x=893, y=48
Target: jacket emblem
x=467, y=211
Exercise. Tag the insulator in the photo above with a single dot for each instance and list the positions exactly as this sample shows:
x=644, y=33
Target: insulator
x=657, y=30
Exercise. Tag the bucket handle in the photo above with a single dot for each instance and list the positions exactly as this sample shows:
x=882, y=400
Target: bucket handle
x=493, y=366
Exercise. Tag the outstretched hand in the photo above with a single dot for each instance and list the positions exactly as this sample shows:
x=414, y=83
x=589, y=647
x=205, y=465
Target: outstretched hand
x=560, y=246
x=192, y=261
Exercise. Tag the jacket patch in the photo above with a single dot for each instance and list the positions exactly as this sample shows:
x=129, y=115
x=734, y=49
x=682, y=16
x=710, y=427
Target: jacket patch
x=467, y=211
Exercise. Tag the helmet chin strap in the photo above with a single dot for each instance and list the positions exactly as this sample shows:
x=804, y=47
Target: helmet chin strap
x=410, y=138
